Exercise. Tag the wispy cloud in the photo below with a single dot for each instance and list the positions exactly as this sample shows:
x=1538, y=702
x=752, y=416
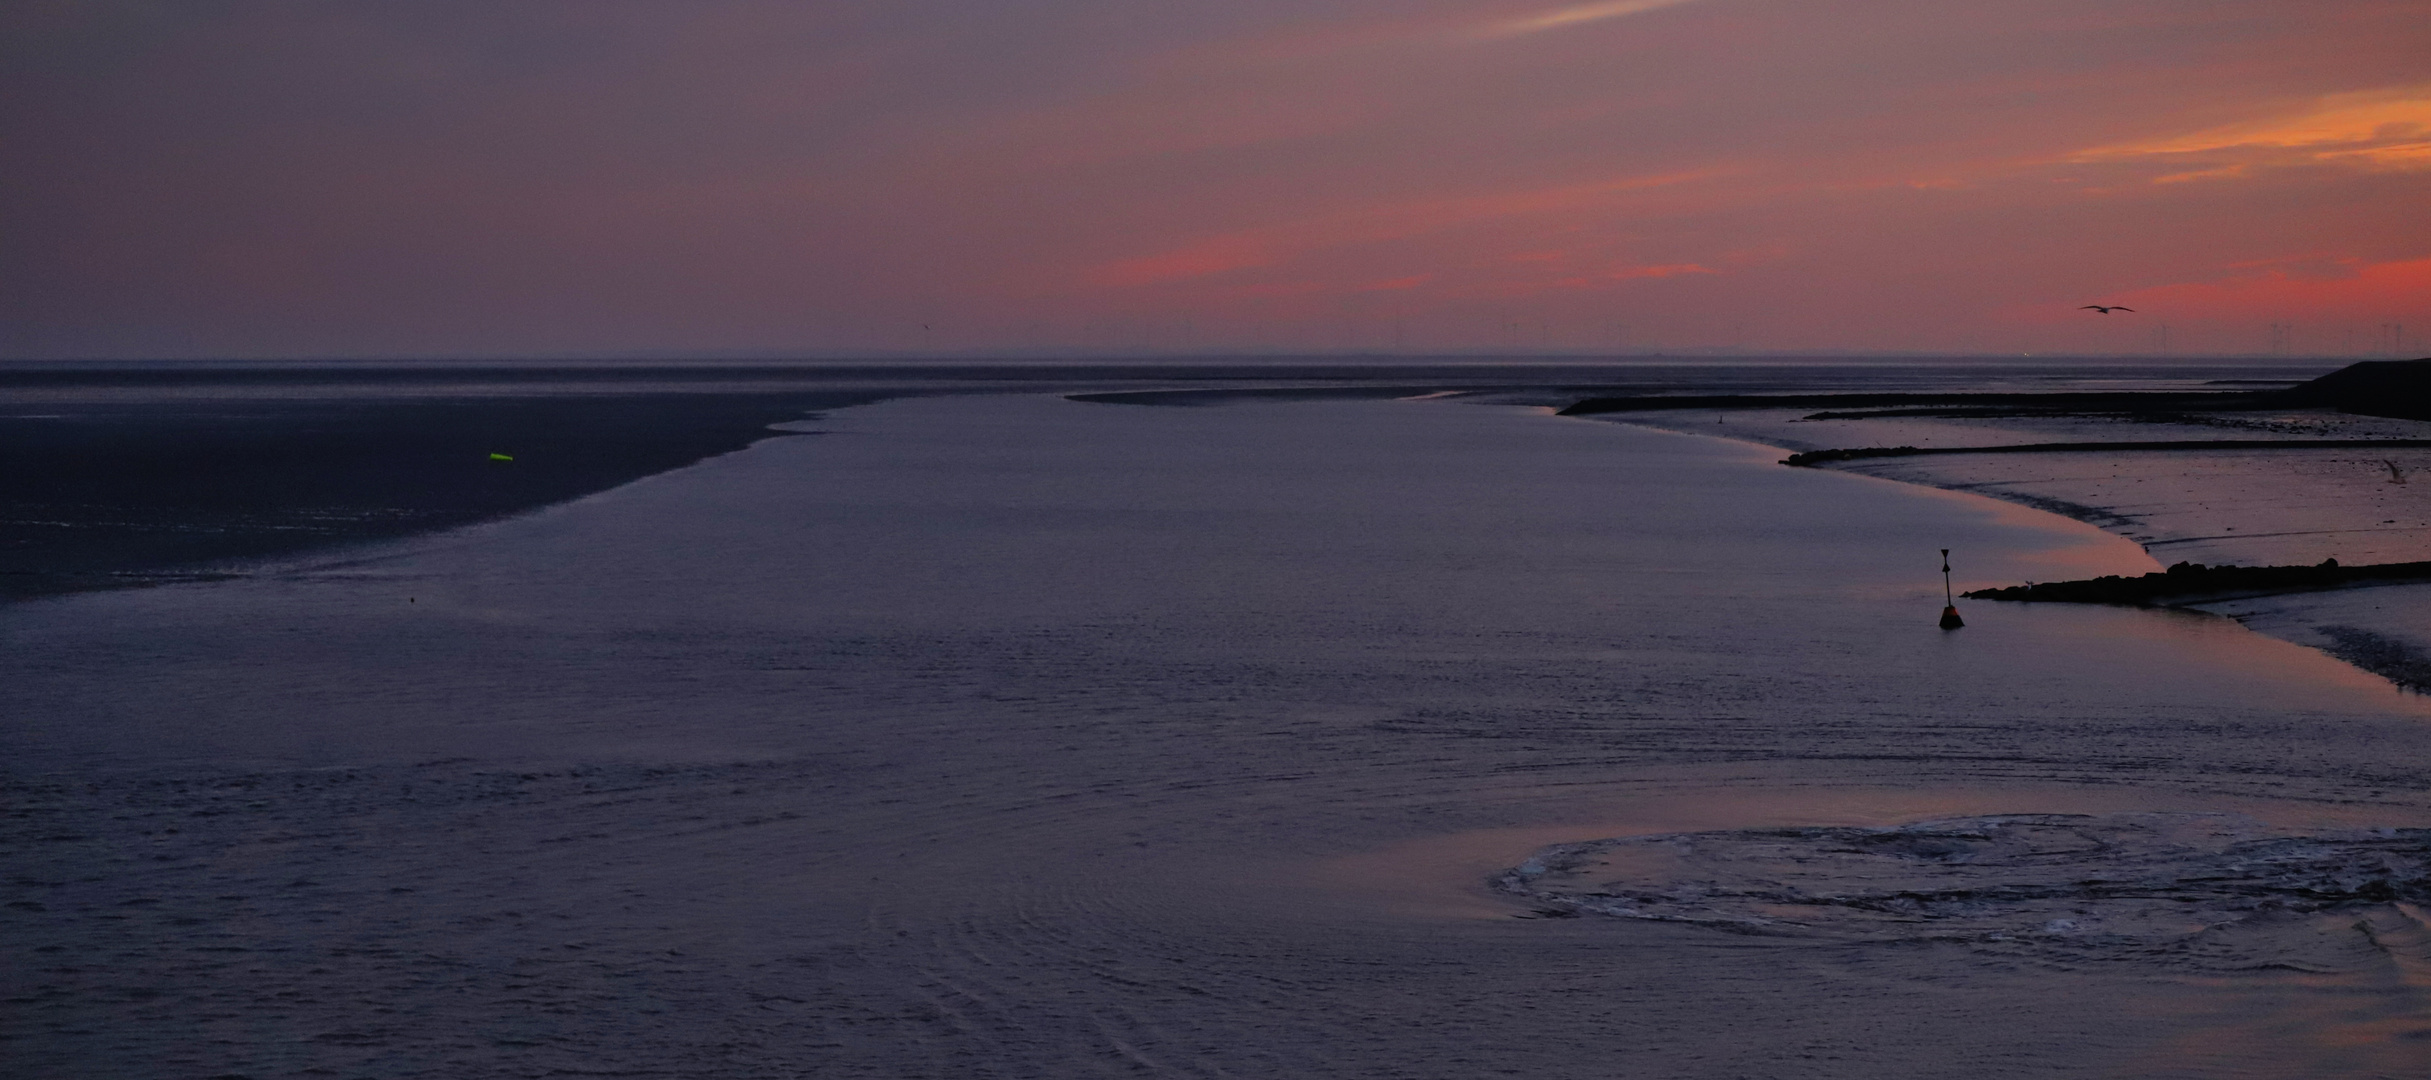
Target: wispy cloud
x=1279, y=243
x=1575, y=15
x=1663, y=271
x=2389, y=129
x=2350, y=289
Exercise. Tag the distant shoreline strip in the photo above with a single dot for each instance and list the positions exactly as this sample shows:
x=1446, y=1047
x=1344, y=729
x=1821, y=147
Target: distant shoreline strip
x=1812, y=458
x=2135, y=401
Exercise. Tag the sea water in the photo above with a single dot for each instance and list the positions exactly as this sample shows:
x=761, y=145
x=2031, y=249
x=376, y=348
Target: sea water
x=1009, y=735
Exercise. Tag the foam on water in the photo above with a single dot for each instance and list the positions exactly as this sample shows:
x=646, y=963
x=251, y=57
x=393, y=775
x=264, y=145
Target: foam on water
x=2117, y=880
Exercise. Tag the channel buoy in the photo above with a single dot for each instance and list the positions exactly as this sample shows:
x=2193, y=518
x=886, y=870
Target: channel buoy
x=1949, y=610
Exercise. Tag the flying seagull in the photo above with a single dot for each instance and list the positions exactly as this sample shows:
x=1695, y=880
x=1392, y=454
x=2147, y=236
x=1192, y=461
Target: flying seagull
x=2104, y=310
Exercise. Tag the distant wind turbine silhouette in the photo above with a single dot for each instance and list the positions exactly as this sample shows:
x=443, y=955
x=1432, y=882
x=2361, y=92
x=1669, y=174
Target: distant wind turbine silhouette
x=2104, y=310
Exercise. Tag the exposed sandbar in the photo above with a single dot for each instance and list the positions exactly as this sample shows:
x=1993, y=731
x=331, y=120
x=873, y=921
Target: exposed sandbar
x=110, y=488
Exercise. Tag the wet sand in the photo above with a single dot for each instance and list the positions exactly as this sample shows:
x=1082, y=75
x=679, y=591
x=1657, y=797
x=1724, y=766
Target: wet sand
x=2317, y=495
x=114, y=481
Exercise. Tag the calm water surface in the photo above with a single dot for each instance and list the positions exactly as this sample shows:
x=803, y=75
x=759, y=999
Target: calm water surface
x=1014, y=736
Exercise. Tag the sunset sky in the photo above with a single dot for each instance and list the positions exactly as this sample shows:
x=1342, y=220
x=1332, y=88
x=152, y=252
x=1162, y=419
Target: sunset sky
x=957, y=177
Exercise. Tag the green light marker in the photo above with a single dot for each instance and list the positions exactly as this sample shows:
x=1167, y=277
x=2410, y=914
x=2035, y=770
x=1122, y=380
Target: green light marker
x=501, y=457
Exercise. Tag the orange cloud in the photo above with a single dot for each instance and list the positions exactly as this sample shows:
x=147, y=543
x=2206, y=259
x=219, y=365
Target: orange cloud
x=2383, y=130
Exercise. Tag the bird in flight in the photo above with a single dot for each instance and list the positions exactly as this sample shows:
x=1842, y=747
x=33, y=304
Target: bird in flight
x=2104, y=310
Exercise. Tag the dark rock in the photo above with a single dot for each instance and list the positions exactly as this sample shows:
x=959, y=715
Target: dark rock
x=2193, y=580
x=2400, y=389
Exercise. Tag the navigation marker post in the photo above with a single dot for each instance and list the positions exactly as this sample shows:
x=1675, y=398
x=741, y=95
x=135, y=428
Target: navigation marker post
x=1949, y=611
